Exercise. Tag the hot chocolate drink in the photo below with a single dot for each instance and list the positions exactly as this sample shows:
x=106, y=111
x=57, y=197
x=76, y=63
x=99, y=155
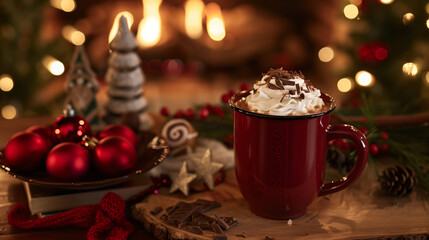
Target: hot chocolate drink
x=283, y=93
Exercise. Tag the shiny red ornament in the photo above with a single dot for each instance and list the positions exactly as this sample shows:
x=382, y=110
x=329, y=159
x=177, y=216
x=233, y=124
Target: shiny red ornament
x=45, y=132
x=118, y=130
x=68, y=161
x=26, y=151
x=71, y=129
x=114, y=156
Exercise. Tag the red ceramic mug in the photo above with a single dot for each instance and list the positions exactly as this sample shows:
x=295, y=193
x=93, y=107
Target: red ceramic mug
x=280, y=160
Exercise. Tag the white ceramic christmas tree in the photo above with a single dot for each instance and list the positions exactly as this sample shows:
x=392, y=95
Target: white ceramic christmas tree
x=82, y=86
x=125, y=78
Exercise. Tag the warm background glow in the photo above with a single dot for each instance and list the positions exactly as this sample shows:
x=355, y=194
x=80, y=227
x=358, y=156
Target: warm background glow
x=194, y=10
x=6, y=83
x=149, y=30
x=364, y=78
x=326, y=54
x=215, y=24
x=54, y=66
x=351, y=11
x=73, y=35
x=344, y=84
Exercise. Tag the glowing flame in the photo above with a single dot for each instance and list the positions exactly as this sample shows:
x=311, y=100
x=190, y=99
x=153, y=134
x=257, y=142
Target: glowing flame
x=53, y=65
x=73, y=35
x=193, y=18
x=215, y=24
x=114, y=30
x=149, y=31
x=65, y=5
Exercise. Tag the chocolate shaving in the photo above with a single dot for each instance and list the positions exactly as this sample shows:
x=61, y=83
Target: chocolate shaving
x=268, y=238
x=298, y=89
x=241, y=235
x=194, y=229
x=156, y=211
x=288, y=82
x=216, y=228
x=275, y=87
x=284, y=95
x=302, y=96
x=219, y=237
x=292, y=92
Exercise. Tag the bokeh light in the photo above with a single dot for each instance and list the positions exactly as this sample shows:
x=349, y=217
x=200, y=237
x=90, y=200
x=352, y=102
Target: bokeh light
x=386, y=1
x=344, y=84
x=351, y=11
x=73, y=35
x=8, y=112
x=54, y=66
x=65, y=5
x=410, y=69
x=6, y=83
x=408, y=18
x=326, y=54
x=427, y=78
x=364, y=78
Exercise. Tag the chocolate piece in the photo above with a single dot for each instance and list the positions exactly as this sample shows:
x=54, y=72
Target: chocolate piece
x=164, y=217
x=241, y=235
x=156, y=210
x=226, y=222
x=302, y=96
x=194, y=229
x=219, y=237
x=199, y=219
x=216, y=228
x=169, y=209
x=288, y=82
x=275, y=87
x=206, y=205
x=181, y=214
x=292, y=92
x=298, y=89
x=268, y=238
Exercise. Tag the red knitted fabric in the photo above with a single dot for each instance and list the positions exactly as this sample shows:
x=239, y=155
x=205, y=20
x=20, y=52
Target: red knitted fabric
x=105, y=220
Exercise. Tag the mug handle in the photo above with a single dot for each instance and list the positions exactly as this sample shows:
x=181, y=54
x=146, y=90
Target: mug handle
x=361, y=145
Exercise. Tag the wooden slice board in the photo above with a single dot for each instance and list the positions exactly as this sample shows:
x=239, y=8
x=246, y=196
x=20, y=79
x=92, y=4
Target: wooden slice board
x=358, y=212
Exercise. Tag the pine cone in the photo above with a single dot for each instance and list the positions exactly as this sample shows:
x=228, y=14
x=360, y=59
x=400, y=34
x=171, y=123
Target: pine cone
x=398, y=181
x=340, y=159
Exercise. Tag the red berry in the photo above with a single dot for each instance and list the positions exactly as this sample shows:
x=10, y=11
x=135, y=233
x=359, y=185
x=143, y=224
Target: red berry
x=364, y=130
x=384, y=147
x=225, y=98
x=384, y=135
x=244, y=87
x=209, y=107
x=218, y=111
x=374, y=150
x=164, y=111
x=345, y=144
x=189, y=113
x=179, y=114
x=203, y=113
x=331, y=143
x=229, y=137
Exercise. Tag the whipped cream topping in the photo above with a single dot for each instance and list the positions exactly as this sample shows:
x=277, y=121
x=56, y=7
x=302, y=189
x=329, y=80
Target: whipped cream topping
x=284, y=93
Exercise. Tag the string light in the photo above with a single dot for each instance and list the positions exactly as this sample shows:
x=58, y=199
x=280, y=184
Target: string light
x=410, y=69
x=427, y=23
x=65, y=5
x=386, y=1
x=149, y=29
x=364, y=78
x=73, y=35
x=351, y=11
x=427, y=8
x=407, y=18
x=194, y=10
x=344, y=84
x=6, y=83
x=53, y=65
x=8, y=112
x=326, y=54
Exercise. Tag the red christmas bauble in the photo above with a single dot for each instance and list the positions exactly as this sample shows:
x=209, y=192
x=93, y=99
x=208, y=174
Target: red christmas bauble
x=45, y=132
x=26, y=151
x=119, y=131
x=114, y=156
x=68, y=162
x=71, y=129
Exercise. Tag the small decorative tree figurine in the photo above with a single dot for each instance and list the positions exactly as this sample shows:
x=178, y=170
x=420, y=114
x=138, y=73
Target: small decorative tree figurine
x=82, y=87
x=124, y=79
